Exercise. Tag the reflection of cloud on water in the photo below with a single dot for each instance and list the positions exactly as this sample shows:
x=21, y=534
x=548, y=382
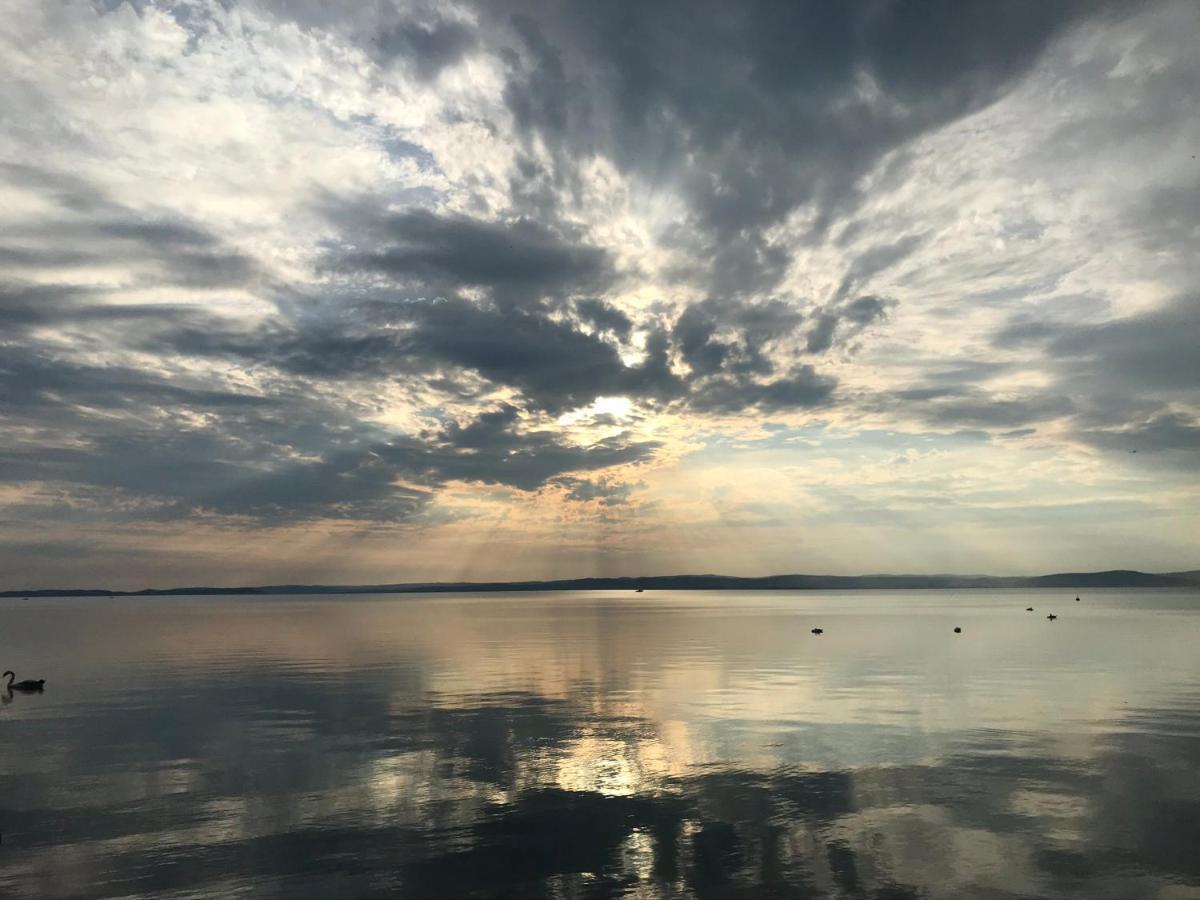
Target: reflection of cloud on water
x=637, y=754
x=535, y=792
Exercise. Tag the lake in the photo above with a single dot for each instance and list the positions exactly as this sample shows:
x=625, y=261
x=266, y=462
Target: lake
x=604, y=744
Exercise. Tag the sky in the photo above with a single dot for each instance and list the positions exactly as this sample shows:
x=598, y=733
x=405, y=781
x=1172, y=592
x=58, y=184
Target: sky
x=382, y=291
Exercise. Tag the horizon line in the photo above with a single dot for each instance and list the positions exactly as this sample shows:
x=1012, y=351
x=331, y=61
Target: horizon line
x=705, y=581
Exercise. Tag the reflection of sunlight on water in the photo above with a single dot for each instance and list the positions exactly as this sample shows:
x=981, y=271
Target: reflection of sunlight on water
x=637, y=856
x=656, y=743
x=613, y=767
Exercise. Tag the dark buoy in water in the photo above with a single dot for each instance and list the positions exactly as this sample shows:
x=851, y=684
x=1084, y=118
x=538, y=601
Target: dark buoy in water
x=818, y=631
x=1029, y=609
x=1052, y=617
x=957, y=630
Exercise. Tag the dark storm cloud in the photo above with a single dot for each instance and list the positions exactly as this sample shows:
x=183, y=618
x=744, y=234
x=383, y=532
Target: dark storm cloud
x=427, y=47
x=163, y=444
x=28, y=305
x=803, y=387
x=604, y=317
x=520, y=259
x=719, y=335
x=488, y=451
x=92, y=230
x=527, y=333
x=1153, y=351
x=362, y=483
x=33, y=384
x=347, y=485
x=551, y=362
x=1171, y=439
x=982, y=410
x=846, y=319
x=1126, y=373
x=753, y=110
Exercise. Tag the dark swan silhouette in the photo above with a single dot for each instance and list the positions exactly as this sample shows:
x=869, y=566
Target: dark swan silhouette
x=29, y=686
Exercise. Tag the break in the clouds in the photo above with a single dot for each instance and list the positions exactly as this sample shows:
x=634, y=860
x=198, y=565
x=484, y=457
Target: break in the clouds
x=390, y=291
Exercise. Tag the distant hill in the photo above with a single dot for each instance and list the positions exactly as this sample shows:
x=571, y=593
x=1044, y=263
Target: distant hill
x=1123, y=578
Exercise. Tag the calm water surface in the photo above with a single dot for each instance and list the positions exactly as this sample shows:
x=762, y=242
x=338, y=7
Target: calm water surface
x=665, y=744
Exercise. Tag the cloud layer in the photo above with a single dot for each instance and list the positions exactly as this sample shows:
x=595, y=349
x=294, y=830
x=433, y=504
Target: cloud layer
x=835, y=279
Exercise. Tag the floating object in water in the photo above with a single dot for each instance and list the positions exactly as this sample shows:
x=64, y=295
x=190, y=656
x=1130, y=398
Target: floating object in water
x=957, y=630
x=28, y=686
x=1052, y=617
x=818, y=631
x=1029, y=609
x=1076, y=599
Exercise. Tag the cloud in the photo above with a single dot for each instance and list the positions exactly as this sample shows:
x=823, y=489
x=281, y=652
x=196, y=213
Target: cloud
x=749, y=329
x=1171, y=439
x=519, y=260
x=428, y=47
x=410, y=246
x=796, y=102
x=847, y=318
x=91, y=231
x=602, y=491
x=801, y=388
x=1125, y=373
x=190, y=446
x=604, y=317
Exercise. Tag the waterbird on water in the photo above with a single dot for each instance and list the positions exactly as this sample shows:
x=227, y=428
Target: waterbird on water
x=957, y=630
x=27, y=686
x=818, y=631
x=1052, y=617
x=1029, y=609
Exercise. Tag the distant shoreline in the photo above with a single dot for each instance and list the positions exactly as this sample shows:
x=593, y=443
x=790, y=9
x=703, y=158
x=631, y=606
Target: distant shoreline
x=1125, y=578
